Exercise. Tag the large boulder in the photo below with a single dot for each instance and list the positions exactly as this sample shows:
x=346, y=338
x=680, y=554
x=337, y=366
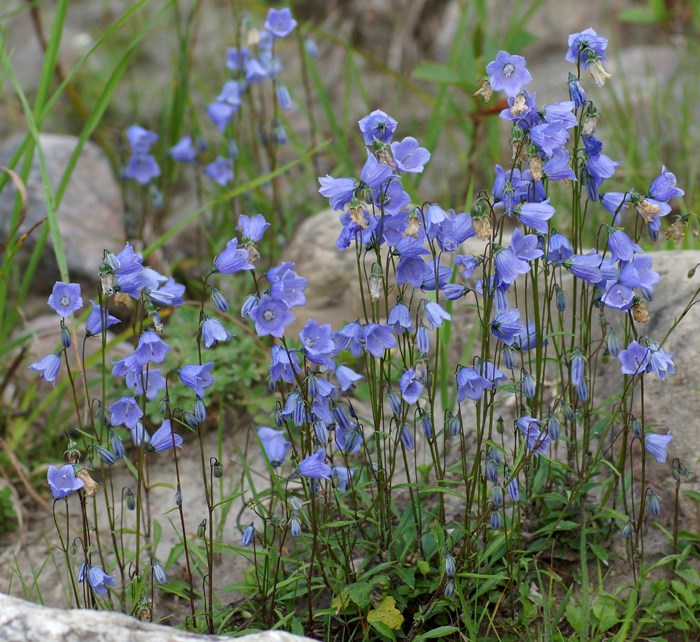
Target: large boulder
x=22, y=621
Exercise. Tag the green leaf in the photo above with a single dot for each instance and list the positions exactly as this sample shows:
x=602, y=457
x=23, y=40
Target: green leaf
x=637, y=16
x=383, y=630
x=423, y=567
x=605, y=611
x=438, y=632
x=574, y=615
x=360, y=593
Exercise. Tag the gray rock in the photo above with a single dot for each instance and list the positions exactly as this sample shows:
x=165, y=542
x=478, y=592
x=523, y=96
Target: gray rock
x=333, y=294
x=90, y=213
x=22, y=621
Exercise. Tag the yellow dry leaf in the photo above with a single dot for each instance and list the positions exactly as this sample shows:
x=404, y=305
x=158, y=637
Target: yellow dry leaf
x=341, y=602
x=385, y=611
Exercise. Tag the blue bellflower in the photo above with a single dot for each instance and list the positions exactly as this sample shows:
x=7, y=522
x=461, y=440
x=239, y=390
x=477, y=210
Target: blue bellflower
x=316, y=466
x=197, y=377
x=62, y=481
x=656, y=445
x=508, y=73
x=274, y=444
x=65, y=298
x=233, y=259
x=271, y=316
x=279, y=22
x=377, y=125
x=48, y=367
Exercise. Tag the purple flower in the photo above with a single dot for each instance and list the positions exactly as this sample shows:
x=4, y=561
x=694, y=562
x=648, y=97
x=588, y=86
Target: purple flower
x=508, y=73
x=140, y=139
x=549, y=137
x=435, y=315
x=284, y=100
x=287, y=286
x=339, y=191
x=274, y=445
x=576, y=92
x=151, y=349
x=343, y=476
x=348, y=437
x=197, y=377
x=184, y=150
x=315, y=466
x=615, y=202
x=62, y=481
x=537, y=441
x=663, y=188
x=378, y=338
x=660, y=362
x=454, y=230
x=164, y=438
x=408, y=156
x=98, y=319
x=168, y=295
x=471, y=385
x=220, y=114
x=220, y=171
x=656, y=445
x=557, y=168
x=213, y=331
x=252, y=227
x=317, y=342
x=506, y=326
x=586, y=267
x=634, y=359
x=346, y=377
x=400, y=318
x=559, y=249
x=271, y=316
x=98, y=579
x=638, y=274
x=350, y=337
x=536, y=215
x=586, y=46
x=142, y=168
x=126, y=412
x=490, y=372
x=151, y=377
x=621, y=246
x=377, y=125
x=280, y=22
x=65, y=298
x=233, y=259
x=411, y=386
x=48, y=367
x=283, y=366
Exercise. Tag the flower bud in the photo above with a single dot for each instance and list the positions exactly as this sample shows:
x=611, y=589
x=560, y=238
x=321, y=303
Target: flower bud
x=295, y=526
x=654, y=504
x=453, y=424
x=495, y=520
x=65, y=336
x=528, y=385
x=200, y=410
x=159, y=575
x=394, y=402
x=248, y=535
x=248, y=305
x=449, y=588
x=427, y=425
x=321, y=432
x=202, y=528
x=450, y=565
x=130, y=499
x=627, y=529
x=117, y=447
x=106, y=456
x=497, y=496
x=178, y=497
x=219, y=300
x=217, y=469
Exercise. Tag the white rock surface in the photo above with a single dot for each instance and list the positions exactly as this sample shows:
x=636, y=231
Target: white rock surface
x=22, y=621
